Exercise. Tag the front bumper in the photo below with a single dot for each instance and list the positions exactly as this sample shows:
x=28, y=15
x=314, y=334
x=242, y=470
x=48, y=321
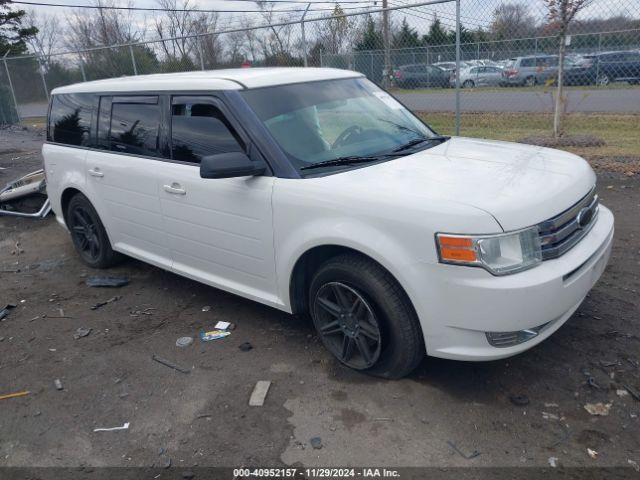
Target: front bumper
x=466, y=302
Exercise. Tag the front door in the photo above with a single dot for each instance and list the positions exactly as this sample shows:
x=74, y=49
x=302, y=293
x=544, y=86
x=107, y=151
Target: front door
x=219, y=230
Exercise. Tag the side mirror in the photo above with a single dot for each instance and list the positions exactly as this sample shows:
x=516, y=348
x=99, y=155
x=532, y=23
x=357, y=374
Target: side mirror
x=229, y=165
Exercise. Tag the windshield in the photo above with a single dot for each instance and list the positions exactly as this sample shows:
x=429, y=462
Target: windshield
x=335, y=119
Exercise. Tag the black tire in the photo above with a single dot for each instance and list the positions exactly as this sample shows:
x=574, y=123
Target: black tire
x=468, y=84
x=400, y=346
x=530, y=81
x=88, y=234
x=603, y=80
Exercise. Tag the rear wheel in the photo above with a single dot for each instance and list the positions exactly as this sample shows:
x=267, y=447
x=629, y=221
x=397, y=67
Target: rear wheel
x=364, y=318
x=603, y=80
x=88, y=234
x=530, y=81
x=468, y=84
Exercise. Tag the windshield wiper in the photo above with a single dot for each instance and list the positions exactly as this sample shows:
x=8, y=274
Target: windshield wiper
x=418, y=141
x=345, y=161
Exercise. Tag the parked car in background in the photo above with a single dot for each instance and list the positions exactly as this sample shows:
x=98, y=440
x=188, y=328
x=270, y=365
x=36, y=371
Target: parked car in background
x=604, y=68
x=531, y=70
x=471, y=77
x=420, y=75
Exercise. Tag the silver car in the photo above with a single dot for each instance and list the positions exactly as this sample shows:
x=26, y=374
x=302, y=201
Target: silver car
x=485, y=76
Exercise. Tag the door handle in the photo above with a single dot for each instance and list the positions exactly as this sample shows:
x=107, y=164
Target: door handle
x=95, y=172
x=175, y=189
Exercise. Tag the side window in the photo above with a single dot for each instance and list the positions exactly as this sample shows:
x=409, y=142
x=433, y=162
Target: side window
x=70, y=119
x=135, y=125
x=527, y=62
x=199, y=129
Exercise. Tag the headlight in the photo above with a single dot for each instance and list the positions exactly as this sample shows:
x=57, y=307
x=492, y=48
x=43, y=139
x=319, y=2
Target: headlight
x=500, y=254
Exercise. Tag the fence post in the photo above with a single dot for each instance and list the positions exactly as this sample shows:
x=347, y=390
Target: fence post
x=387, y=44
x=84, y=76
x=13, y=93
x=44, y=80
x=200, y=54
x=321, y=60
x=133, y=60
x=457, y=67
x=304, y=37
x=478, y=54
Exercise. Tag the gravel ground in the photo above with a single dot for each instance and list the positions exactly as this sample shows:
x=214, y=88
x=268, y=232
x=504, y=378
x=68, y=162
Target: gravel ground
x=516, y=412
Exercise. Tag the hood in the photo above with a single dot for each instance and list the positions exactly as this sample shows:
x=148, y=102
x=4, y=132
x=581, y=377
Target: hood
x=519, y=185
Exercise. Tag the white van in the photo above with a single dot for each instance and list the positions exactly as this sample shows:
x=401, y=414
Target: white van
x=314, y=191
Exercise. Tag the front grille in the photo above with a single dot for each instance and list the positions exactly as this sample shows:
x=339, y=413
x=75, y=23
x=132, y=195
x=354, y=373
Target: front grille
x=562, y=232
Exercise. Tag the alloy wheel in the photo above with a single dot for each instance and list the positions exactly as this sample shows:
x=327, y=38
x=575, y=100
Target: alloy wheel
x=347, y=325
x=85, y=233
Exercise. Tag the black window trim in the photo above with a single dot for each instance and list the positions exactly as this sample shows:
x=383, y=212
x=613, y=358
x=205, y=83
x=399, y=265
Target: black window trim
x=164, y=102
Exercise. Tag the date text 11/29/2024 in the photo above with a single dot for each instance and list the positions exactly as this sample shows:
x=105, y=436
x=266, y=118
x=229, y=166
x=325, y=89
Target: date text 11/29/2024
x=311, y=473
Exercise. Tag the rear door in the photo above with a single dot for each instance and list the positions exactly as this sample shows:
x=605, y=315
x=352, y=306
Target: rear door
x=219, y=230
x=492, y=75
x=123, y=175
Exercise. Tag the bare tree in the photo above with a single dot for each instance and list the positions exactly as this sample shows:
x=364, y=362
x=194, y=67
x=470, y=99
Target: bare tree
x=276, y=44
x=48, y=37
x=561, y=14
x=337, y=33
x=512, y=20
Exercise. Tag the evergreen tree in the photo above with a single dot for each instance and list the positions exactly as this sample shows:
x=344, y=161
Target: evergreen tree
x=13, y=34
x=437, y=35
x=407, y=37
x=371, y=37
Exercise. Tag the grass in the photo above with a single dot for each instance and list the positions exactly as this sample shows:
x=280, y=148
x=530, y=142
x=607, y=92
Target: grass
x=537, y=88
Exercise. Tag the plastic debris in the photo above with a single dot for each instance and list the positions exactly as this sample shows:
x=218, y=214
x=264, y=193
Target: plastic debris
x=58, y=384
x=592, y=383
x=169, y=364
x=82, y=332
x=592, y=453
x=259, y=393
x=222, y=325
x=621, y=392
x=206, y=308
x=26, y=197
x=108, y=281
x=245, y=347
x=632, y=391
x=106, y=302
x=553, y=462
x=601, y=409
x=635, y=465
x=112, y=429
x=473, y=454
x=184, y=342
x=213, y=335
x=519, y=400
x=550, y=416
x=14, y=395
x=316, y=443
x=4, y=312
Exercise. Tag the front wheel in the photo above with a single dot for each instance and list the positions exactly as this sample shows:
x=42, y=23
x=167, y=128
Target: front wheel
x=88, y=234
x=364, y=318
x=468, y=84
x=603, y=80
x=530, y=82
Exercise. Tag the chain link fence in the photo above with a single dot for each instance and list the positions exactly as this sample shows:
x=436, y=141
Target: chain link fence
x=453, y=58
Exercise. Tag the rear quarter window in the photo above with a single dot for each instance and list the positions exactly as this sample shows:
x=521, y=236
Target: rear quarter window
x=135, y=126
x=70, y=119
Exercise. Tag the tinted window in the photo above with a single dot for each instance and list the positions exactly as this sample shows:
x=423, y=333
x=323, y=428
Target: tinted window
x=70, y=119
x=527, y=62
x=135, y=127
x=199, y=129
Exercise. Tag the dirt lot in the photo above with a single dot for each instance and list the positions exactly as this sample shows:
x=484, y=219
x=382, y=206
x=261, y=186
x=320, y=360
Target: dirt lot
x=203, y=418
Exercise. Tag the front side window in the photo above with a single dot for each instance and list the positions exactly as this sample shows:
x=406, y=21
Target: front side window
x=328, y=120
x=135, y=126
x=199, y=129
x=70, y=119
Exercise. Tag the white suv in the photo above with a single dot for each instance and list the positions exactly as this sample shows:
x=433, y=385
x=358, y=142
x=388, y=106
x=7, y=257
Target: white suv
x=314, y=191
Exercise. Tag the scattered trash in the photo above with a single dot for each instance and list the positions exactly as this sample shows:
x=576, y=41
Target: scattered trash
x=184, y=342
x=169, y=364
x=146, y=311
x=58, y=384
x=316, y=443
x=608, y=363
x=213, y=335
x=222, y=325
x=245, y=347
x=621, y=392
x=550, y=416
x=26, y=197
x=4, y=313
x=635, y=465
x=108, y=281
x=553, y=462
x=112, y=429
x=106, y=302
x=14, y=395
x=259, y=393
x=592, y=453
x=551, y=405
x=82, y=332
x=601, y=409
x=473, y=454
x=632, y=391
x=592, y=383
x=519, y=400
x=206, y=308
